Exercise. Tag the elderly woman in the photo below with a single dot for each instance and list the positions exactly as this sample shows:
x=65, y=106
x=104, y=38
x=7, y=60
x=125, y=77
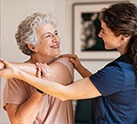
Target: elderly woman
x=38, y=38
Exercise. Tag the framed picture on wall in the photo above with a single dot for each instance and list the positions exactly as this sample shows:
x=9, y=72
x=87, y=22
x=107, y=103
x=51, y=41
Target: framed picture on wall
x=85, y=29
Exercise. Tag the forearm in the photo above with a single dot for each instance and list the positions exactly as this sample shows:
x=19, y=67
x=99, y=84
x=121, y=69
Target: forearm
x=70, y=92
x=49, y=87
x=26, y=113
x=83, y=71
x=73, y=58
x=26, y=67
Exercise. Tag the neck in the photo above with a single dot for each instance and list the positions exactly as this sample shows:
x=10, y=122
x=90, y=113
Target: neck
x=122, y=49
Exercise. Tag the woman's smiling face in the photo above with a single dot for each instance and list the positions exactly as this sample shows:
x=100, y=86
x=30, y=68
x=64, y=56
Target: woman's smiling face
x=49, y=41
x=110, y=40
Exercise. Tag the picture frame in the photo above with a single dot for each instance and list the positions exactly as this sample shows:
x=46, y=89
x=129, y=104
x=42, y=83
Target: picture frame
x=85, y=28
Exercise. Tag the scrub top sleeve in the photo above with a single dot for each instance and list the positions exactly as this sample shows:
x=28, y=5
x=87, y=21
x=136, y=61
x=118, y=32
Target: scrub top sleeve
x=108, y=80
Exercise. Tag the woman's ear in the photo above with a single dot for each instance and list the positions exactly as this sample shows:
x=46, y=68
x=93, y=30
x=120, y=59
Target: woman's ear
x=124, y=39
x=32, y=48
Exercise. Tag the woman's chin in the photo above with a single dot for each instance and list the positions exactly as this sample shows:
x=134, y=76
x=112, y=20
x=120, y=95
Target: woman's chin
x=108, y=48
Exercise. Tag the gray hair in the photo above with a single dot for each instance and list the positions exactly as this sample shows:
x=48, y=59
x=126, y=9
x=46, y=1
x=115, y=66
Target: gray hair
x=27, y=30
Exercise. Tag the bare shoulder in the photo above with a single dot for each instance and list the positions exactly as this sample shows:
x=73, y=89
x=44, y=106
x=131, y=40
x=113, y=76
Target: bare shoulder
x=62, y=66
x=65, y=61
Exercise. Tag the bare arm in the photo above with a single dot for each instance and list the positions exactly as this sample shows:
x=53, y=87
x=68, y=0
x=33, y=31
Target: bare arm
x=60, y=73
x=27, y=112
x=24, y=113
x=81, y=89
x=57, y=68
x=77, y=64
x=26, y=67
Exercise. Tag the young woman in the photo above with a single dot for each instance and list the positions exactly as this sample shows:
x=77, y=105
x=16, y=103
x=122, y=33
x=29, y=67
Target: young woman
x=114, y=87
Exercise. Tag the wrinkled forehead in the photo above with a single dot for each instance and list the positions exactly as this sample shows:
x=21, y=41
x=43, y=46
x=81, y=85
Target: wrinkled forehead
x=44, y=29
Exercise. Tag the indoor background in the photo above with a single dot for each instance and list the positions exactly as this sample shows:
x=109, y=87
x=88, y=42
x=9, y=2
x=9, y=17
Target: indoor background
x=13, y=11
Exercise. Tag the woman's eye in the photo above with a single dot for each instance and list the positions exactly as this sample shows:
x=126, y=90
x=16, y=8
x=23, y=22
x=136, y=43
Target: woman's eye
x=47, y=36
x=56, y=33
x=103, y=31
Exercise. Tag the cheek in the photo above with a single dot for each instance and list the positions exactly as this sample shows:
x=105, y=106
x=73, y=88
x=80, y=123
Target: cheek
x=113, y=43
x=46, y=44
x=43, y=47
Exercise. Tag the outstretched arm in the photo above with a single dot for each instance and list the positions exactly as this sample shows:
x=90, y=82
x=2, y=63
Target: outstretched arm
x=77, y=65
x=26, y=112
x=26, y=67
x=81, y=89
x=57, y=69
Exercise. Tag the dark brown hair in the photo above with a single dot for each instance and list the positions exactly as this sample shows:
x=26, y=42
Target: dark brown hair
x=121, y=19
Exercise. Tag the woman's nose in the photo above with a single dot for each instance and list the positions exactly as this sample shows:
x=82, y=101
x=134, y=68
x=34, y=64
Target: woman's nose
x=99, y=34
x=55, y=38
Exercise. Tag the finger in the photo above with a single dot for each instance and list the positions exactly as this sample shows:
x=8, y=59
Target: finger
x=73, y=61
x=1, y=65
x=38, y=73
x=65, y=55
x=69, y=55
x=39, y=64
x=44, y=71
x=44, y=67
x=4, y=62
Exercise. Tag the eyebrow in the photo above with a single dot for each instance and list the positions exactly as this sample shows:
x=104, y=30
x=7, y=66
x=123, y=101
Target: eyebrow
x=48, y=33
x=102, y=29
x=55, y=31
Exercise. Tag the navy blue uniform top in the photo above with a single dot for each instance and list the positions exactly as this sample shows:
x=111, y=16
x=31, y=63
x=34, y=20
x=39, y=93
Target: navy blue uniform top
x=117, y=82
